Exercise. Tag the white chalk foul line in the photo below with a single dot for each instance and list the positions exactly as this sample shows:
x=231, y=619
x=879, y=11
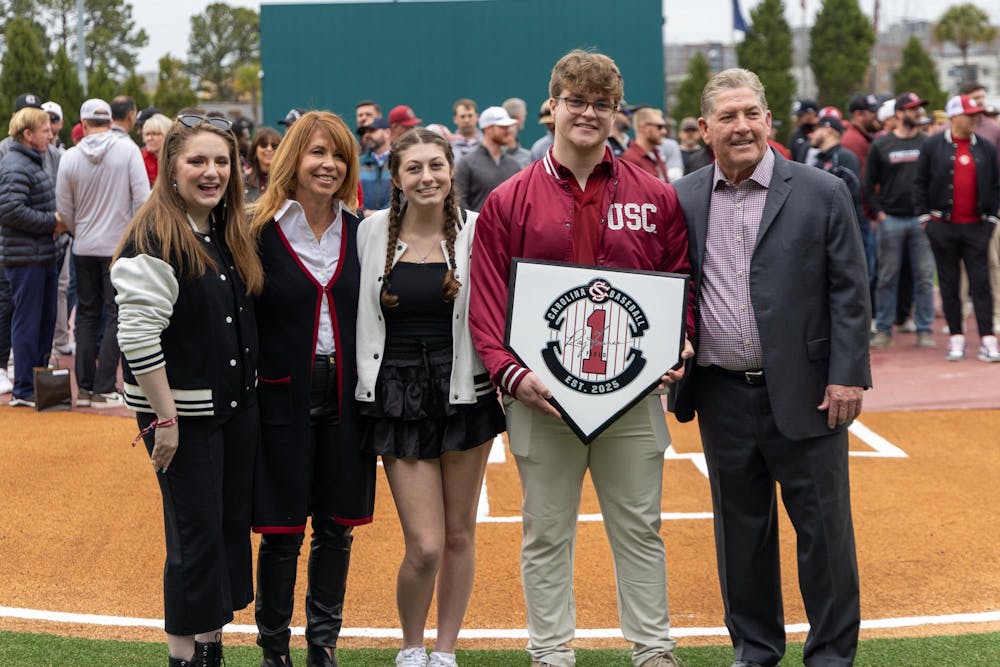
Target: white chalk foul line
x=590, y=518
x=882, y=447
x=494, y=633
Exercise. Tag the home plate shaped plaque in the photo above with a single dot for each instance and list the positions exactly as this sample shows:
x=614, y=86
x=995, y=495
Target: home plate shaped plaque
x=598, y=338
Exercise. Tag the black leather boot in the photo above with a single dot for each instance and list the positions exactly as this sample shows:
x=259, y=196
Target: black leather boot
x=329, y=561
x=177, y=662
x=277, y=560
x=208, y=654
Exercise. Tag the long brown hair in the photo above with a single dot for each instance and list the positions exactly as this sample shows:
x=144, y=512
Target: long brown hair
x=257, y=178
x=283, y=180
x=161, y=226
x=419, y=135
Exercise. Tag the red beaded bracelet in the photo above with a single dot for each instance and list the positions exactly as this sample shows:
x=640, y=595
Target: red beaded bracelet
x=155, y=424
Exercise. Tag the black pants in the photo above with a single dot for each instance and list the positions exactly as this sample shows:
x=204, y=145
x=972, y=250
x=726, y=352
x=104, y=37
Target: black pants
x=952, y=245
x=96, y=369
x=746, y=455
x=329, y=552
x=206, y=511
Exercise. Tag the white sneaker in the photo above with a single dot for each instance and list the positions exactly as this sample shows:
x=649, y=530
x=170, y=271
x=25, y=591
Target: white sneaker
x=909, y=326
x=989, y=350
x=6, y=386
x=956, y=348
x=412, y=657
x=439, y=659
x=110, y=400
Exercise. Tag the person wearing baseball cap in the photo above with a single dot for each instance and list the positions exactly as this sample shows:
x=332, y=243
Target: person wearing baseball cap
x=835, y=158
x=56, y=117
x=544, y=118
x=489, y=164
x=376, y=184
x=50, y=157
x=888, y=189
x=806, y=113
x=401, y=119
x=957, y=195
x=102, y=183
x=290, y=117
x=859, y=133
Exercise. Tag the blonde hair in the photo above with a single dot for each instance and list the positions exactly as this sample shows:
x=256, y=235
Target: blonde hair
x=282, y=179
x=646, y=115
x=161, y=228
x=587, y=72
x=28, y=118
x=158, y=123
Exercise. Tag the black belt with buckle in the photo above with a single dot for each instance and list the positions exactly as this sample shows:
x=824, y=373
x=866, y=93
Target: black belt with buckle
x=321, y=360
x=755, y=378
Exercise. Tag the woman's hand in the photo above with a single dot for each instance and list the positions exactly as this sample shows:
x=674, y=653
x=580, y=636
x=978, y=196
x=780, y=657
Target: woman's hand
x=166, y=441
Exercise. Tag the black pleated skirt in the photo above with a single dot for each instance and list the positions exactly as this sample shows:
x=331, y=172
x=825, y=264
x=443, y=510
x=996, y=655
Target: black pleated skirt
x=412, y=416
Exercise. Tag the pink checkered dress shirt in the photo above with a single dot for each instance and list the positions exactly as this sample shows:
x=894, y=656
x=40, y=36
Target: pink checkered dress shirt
x=727, y=334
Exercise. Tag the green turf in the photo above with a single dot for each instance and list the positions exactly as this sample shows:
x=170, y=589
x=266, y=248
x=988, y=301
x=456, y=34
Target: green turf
x=36, y=650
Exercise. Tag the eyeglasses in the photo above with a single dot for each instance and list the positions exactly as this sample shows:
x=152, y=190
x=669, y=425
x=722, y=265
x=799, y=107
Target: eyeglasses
x=576, y=106
x=267, y=144
x=191, y=120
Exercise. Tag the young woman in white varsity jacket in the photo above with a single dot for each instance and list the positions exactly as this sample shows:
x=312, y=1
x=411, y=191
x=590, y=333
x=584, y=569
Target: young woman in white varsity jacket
x=309, y=462
x=428, y=406
x=185, y=273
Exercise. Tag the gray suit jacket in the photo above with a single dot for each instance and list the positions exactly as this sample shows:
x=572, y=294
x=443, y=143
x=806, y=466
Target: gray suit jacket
x=808, y=286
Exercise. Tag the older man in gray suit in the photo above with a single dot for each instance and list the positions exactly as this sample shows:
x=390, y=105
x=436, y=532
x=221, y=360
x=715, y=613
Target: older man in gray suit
x=781, y=363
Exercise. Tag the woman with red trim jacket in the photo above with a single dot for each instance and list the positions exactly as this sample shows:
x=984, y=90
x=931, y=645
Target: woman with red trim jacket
x=427, y=404
x=185, y=273
x=309, y=462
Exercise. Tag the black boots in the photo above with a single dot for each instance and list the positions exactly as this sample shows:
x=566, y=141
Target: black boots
x=276, y=565
x=329, y=560
x=208, y=654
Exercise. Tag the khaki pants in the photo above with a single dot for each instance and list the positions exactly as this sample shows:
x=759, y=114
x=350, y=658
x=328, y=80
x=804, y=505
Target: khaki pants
x=626, y=465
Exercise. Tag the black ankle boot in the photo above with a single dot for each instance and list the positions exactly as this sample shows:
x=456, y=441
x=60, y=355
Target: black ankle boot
x=274, y=660
x=208, y=654
x=177, y=662
x=317, y=657
x=329, y=561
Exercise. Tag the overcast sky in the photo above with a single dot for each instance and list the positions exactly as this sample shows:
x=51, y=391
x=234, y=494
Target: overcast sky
x=168, y=21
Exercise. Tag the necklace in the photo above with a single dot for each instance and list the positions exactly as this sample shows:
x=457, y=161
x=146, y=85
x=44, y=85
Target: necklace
x=423, y=259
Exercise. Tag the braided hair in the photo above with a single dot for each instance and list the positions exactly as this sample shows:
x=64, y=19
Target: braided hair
x=397, y=208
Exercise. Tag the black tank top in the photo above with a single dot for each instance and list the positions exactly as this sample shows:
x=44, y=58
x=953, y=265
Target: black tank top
x=421, y=312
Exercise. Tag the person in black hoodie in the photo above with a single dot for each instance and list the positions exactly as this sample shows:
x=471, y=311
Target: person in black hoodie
x=28, y=226
x=309, y=462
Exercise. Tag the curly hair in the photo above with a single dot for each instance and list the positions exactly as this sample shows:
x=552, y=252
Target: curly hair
x=397, y=210
x=587, y=72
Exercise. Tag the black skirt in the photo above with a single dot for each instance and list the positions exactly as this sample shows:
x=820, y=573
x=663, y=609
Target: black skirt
x=411, y=415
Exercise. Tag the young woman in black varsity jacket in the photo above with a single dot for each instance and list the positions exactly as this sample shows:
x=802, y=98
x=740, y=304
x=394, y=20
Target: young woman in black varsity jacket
x=428, y=406
x=185, y=273
x=308, y=462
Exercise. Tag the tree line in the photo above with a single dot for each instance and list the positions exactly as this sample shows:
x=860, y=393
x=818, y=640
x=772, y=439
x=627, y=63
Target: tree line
x=841, y=42
x=39, y=41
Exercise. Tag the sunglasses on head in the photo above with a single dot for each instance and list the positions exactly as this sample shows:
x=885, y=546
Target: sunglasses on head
x=192, y=120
